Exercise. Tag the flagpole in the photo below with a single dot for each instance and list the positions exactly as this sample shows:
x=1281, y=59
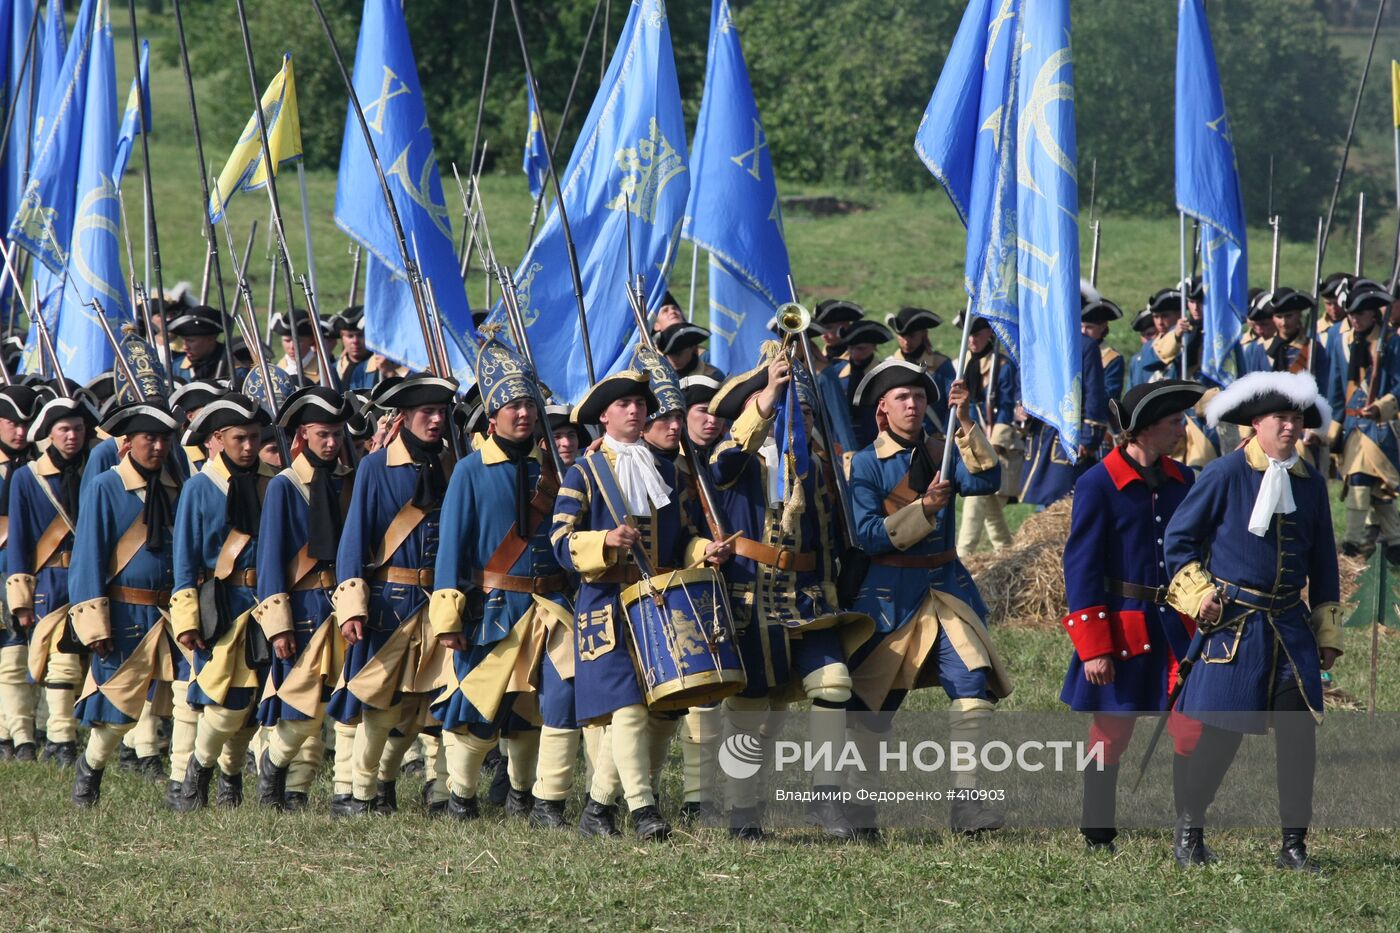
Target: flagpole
x=558, y=194
x=485, y=80
x=1184, y=288
x=1397, y=168
x=329, y=377
x=959, y=365
x=29, y=46
x=694, y=271
x=411, y=270
x=306, y=226
x=211, y=238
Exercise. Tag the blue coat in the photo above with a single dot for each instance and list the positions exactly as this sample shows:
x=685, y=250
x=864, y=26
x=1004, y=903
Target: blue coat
x=854, y=426
x=10, y=635
x=605, y=678
x=1369, y=445
x=356, y=376
x=1242, y=664
x=1050, y=475
x=1117, y=529
x=114, y=503
x=34, y=493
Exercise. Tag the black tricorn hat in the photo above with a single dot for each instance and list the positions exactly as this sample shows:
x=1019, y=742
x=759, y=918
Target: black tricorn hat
x=866, y=332
x=230, y=410
x=1100, y=311
x=834, y=312
x=1258, y=304
x=1142, y=321
x=1288, y=300
x=57, y=409
x=1266, y=393
x=1165, y=301
x=610, y=389
x=910, y=319
x=351, y=318
x=1152, y=401
x=681, y=336
x=699, y=390
x=1335, y=283
x=199, y=321
x=20, y=403
x=894, y=374
x=314, y=405
x=150, y=417
x=416, y=391
x=1372, y=298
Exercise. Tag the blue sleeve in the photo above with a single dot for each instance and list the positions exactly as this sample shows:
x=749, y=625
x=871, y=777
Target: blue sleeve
x=1008, y=393
x=1090, y=525
x=190, y=533
x=93, y=545
x=102, y=459
x=273, y=547
x=868, y=504
x=571, y=514
x=1113, y=378
x=1324, y=585
x=968, y=483
x=19, y=548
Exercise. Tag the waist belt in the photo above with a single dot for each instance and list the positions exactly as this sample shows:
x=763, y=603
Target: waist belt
x=137, y=597
x=627, y=574
x=916, y=561
x=1157, y=595
x=423, y=578
x=490, y=580
x=247, y=578
x=62, y=559
x=781, y=558
x=316, y=580
x=1259, y=600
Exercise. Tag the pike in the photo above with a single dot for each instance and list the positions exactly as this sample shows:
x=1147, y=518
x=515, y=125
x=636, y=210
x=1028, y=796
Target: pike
x=329, y=377
x=1096, y=223
x=357, y=252
x=138, y=291
x=480, y=112
x=1360, y=230
x=211, y=238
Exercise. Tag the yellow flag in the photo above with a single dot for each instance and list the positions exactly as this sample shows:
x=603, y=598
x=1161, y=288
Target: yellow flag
x=244, y=170
x=1395, y=91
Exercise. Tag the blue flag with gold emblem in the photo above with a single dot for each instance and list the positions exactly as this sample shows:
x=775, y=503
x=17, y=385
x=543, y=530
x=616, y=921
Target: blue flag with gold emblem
x=132, y=124
x=386, y=80
x=999, y=135
x=536, y=161
x=1208, y=188
x=630, y=155
x=734, y=213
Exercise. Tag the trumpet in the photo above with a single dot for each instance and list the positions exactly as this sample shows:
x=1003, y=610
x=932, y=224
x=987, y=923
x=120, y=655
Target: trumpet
x=793, y=319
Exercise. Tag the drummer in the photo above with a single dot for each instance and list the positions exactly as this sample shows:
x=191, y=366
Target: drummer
x=592, y=539
x=782, y=581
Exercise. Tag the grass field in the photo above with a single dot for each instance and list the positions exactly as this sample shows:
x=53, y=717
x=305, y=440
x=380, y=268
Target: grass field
x=132, y=866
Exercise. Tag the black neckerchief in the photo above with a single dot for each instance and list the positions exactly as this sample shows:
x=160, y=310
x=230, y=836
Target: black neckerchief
x=915, y=353
x=209, y=367
x=323, y=521
x=518, y=453
x=1360, y=356
x=690, y=367
x=70, y=477
x=18, y=458
x=853, y=383
x=1278, y=353
x=921, y=470
x=243, y=510
x=158, y=513
x=972, y=374
x=427, y=460
x=1152, y=475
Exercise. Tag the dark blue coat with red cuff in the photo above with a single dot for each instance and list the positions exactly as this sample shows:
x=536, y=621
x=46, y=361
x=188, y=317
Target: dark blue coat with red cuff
x=1117, y=529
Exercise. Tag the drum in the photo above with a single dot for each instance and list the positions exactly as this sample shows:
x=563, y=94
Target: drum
x=682, y=638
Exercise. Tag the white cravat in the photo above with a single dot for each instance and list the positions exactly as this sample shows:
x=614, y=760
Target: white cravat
x=1275, y=496
x=773, y=472
x=638, y=477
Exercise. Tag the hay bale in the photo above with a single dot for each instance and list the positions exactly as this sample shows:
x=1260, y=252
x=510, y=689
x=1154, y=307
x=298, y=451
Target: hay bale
x=1024, y=585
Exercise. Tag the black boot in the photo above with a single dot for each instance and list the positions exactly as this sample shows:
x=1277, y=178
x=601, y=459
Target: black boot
x=500, y=783
x=519, y=803
x=26, y=751
x=358, y=807
x=194, y=791
x=698, y=813
x=1099, y=815
x=598, y=819
x=7, y=749
x=343, y=805
x=152, y=768
x=87, y=785
x=827, y=812
x=172, y=795
x=745, y=824
x=272, y=783
x=1293, y=854
x=972, y=817
x=547, y=814
x=412, y=768
x=386, y=801
x=1189, y=847
x=426, y=794
x=126, y=758
x=295, y=801
x=230, y=791
x=862, y=819
x=649, y=825
x=462, y=808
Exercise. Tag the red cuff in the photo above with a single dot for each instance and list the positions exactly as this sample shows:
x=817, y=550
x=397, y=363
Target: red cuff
x=1090, y=631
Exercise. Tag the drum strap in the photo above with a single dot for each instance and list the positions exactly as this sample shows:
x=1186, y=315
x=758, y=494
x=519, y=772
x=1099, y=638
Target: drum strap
x=606, y=482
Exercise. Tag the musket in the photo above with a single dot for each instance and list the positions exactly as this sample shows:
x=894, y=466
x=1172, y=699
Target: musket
x=357, y=257
x=1313, y=341
x=329, y=377
x=480, y=112
x=436, y=346
x=510, y=301
x=1273, y=255
x=122, y=363
x=153, y=234
x=47, y=344
x=1360, y=230
x=1093, y=198
x=211, y=238
x=30, y=44
x=558, y=193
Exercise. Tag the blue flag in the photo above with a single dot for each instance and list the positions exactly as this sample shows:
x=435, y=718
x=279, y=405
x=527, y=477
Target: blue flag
x=734, y=212
x=43, y=221
x=132, y=124
x=1208, y=188
x=15, y=18
x=386, y=80
x=631, y=154
x=1009, y=166
x=536, y=162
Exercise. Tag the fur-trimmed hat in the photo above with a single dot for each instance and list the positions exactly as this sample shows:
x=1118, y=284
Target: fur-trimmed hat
x=1266, y=393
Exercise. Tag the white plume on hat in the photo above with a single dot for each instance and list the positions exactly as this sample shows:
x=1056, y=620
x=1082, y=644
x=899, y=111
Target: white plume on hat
x=1298, y=388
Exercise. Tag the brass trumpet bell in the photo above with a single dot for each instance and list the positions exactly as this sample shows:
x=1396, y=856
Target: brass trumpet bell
x=793, y=319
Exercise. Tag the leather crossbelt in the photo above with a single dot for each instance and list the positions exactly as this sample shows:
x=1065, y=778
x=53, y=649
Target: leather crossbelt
x=916, y=561
x=781, y=558
x=62, y=559
x=248, y=578
x=1259, y=600
x=138, y=597
x=316, y=580
x=423, y=578
x=490, y=580
x=1157, y=595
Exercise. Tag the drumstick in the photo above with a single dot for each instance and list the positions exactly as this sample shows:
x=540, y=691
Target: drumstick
x=729, y=540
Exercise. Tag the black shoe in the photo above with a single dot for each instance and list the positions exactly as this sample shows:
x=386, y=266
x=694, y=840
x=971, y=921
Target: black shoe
x=172, y=795
x=1100, y=846
x=437, y=809
x=971, y=817
x=1293, y=854
x=598, y=819
x=547, y=814
x=519, y=803
x=295, y=801
x=41, y=737
x=462, y=808
x=65, y=754
x=230, y=791
x=126, y=758
x=826, y=811
x=194, y=790
x=152, y=768
x=698, y=813
x=862, y=819
x=1350, y=550
x=426, y=794
x=413, y=768
x=26, y=751
x=649, y=825
x=359, y=807
x=386, y=802
x=500, y=783
x=343, y=805
x=272, y=783
x=7, y=750
x=1189, y=845
x=87, y=785
x=744, y=824
x=250, y=763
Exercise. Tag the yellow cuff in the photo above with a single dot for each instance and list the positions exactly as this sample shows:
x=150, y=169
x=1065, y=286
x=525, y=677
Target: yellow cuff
x=1334, y=433
x=19, y=591
x=351, y=600
x=750, y=429
x=184, y=611
x=976, y=450
x=1167, y=346
x=695, y=550
x=1189, y=589
x=588, y=552
x=1388, y=407
x=909, y=525
x=445, y=609
x=274, y=614
x=1327, y=620
x=91, y=621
